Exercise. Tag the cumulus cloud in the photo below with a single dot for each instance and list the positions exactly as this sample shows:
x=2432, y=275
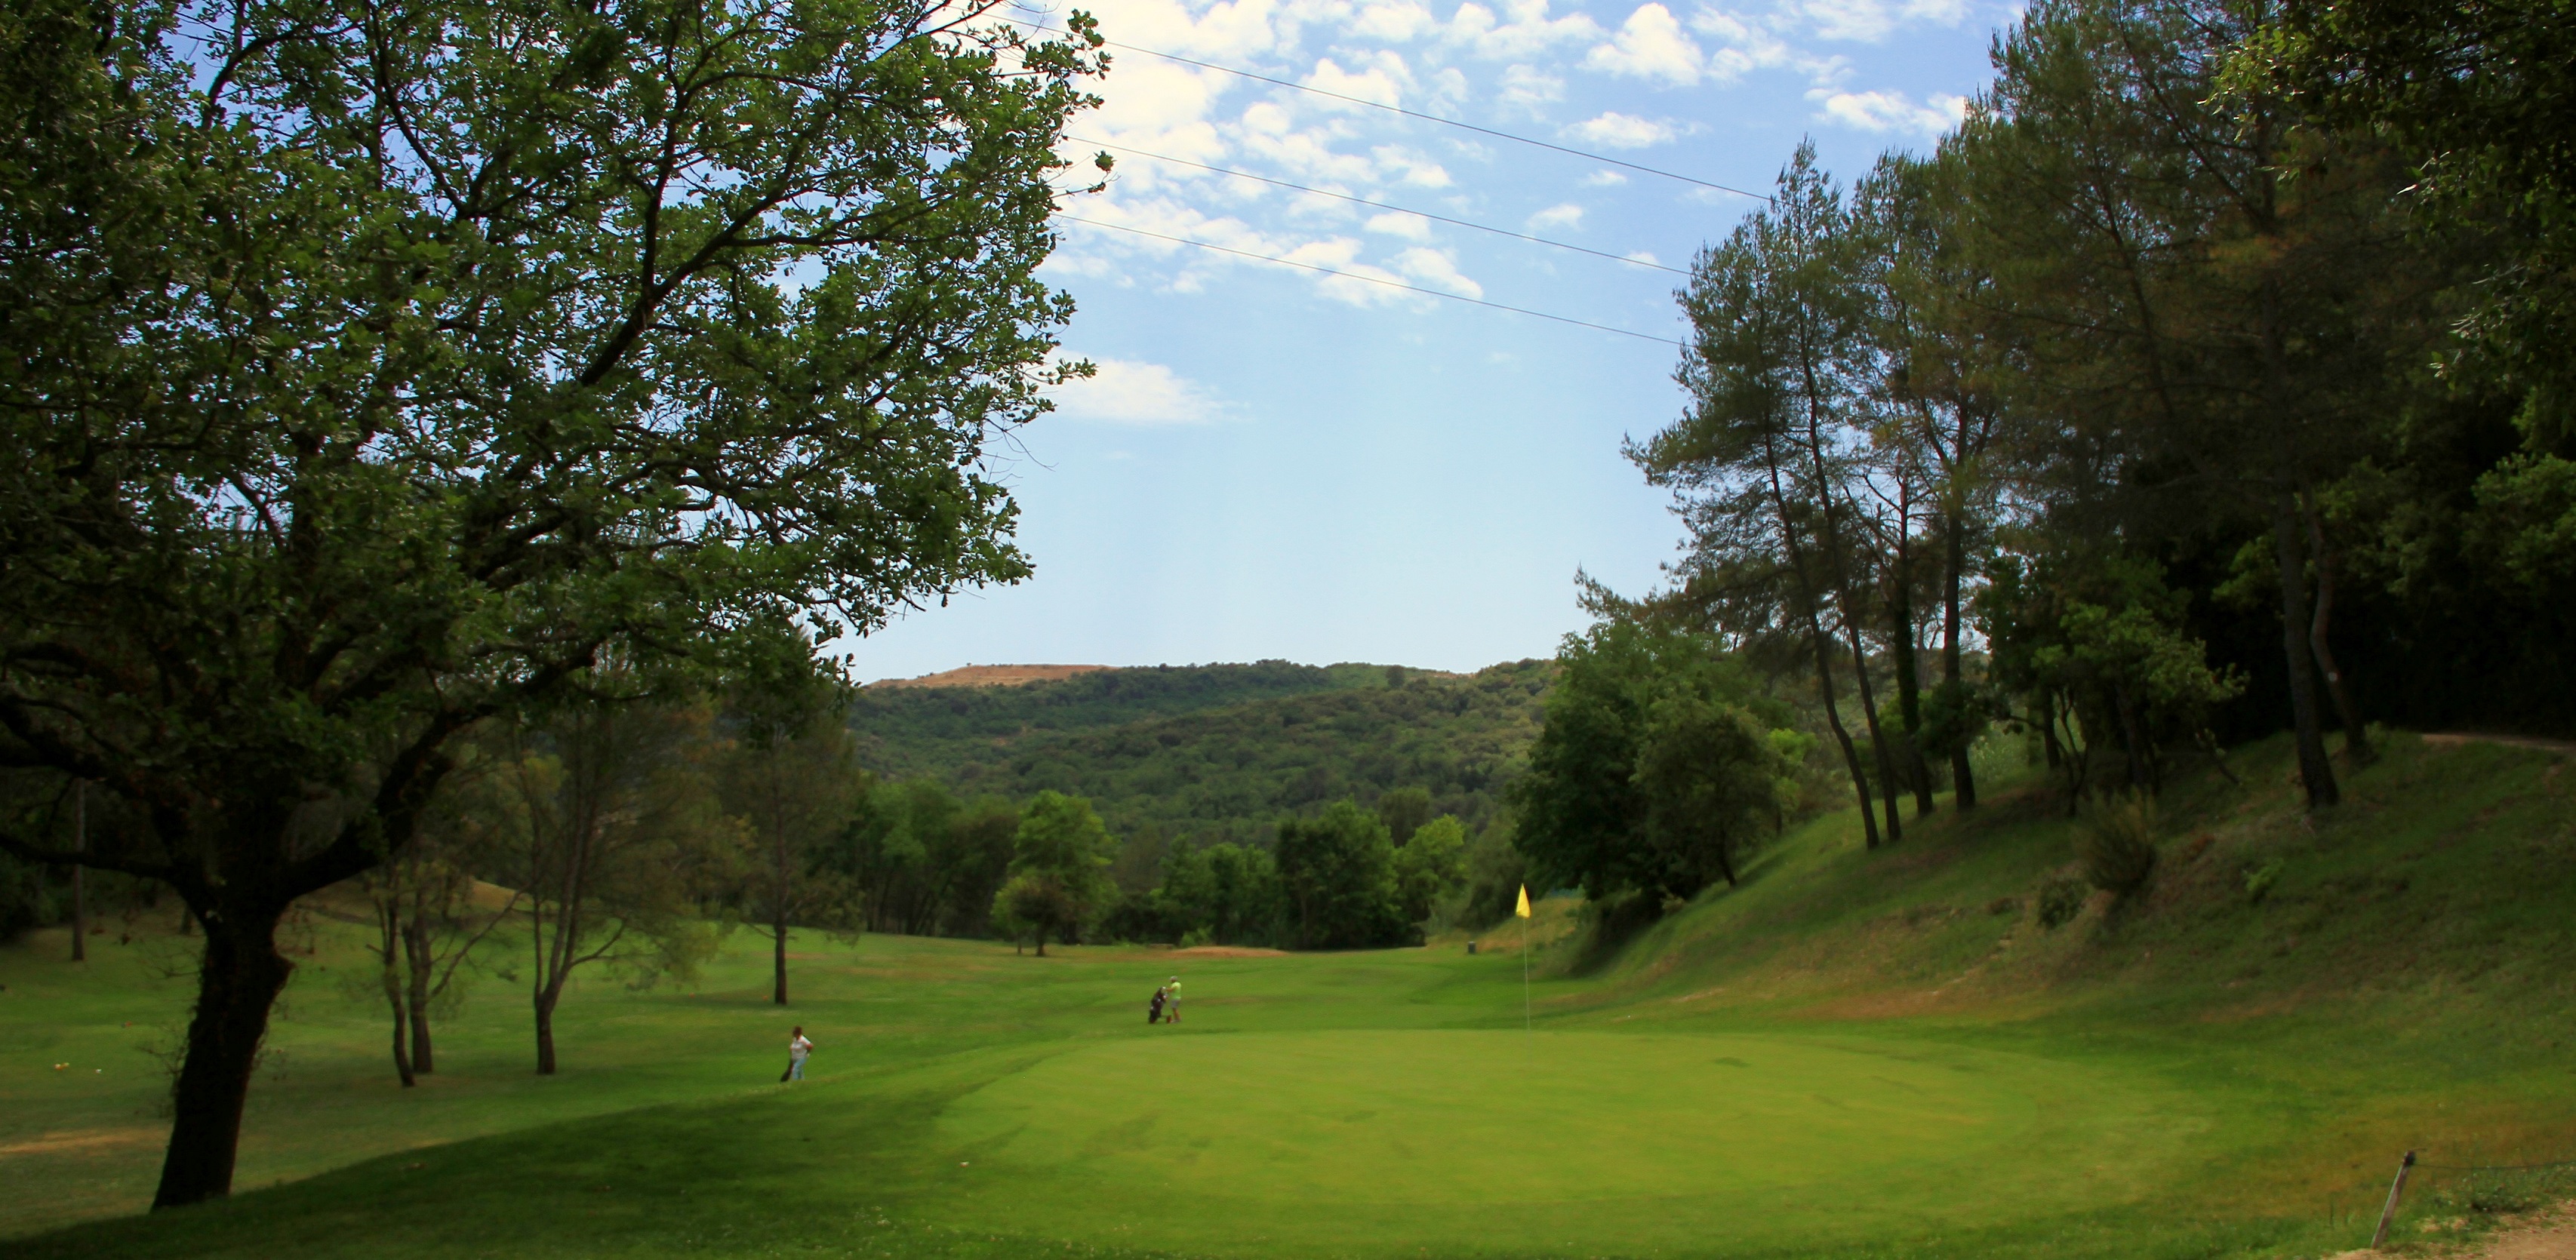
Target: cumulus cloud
x=1891, y=111
x=1127, y=391
x=1604, y=179
x=1412, y=227
x=1380, y=84
x=1614, y=130
x=1527, y=87
x=1869, y=21
x=1435, y=269
x=1523, y=30
x=1565, y=215
x=1649, y=45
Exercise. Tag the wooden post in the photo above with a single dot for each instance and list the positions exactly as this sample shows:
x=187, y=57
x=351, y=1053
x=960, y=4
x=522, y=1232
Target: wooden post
x=2389, y=1213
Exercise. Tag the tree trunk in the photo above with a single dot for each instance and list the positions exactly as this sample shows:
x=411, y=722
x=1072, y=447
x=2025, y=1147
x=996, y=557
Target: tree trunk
x=2356, y=737
x=2315, y=771
x=1963, y=777
x=1909, y=700
x=545, y=1003
x=239, y=977
x=1877, y=738
x=778, y=926
x=778, y=991
x=416, y=952
x=1834, y=719
x=395, y=1002
x=80, y=898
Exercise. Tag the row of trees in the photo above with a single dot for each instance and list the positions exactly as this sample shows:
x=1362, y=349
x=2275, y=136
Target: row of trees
x=2197, y=332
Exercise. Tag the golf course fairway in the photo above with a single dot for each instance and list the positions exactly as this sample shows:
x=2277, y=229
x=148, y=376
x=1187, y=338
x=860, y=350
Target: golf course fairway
x=1857, y=1055
x=1419, y=1138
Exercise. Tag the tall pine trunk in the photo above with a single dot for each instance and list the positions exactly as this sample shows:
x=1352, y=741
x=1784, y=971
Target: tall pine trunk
x=2315, y=771
x=1954, y=562
x=2356, y=737
x=1909, y=698
x=1877, y=738
x=239, y=977
x=1842, y=737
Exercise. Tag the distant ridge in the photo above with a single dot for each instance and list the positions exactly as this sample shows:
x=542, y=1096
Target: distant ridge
x=991, y=676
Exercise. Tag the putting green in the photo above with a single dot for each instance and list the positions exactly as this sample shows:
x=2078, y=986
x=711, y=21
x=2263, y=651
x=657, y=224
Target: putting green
x=1399, y=1140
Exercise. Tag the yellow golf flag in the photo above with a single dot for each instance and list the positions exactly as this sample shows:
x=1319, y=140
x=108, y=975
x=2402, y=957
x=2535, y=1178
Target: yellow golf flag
x=1523, y=911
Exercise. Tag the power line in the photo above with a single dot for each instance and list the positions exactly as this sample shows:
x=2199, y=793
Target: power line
x=1353, y=275
x=1439, y=218
x=1432, y=118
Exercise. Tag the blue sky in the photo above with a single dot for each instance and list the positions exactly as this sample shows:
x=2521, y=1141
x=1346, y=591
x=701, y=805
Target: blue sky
x=1278, y=463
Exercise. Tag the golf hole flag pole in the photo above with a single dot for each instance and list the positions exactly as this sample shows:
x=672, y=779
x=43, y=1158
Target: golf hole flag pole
x=1522, y=912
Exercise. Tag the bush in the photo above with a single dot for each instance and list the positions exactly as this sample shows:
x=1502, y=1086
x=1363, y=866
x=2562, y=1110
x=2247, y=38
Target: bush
x=2259, y=881
x=2116, y=841
x=2059, y=901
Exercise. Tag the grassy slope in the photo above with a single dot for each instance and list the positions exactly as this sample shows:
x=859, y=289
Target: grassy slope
x=2405, y=983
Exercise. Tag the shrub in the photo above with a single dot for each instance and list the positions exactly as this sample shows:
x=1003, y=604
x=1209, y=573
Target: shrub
x=2259, y=880
x=2059, y=901
x=2116, y=841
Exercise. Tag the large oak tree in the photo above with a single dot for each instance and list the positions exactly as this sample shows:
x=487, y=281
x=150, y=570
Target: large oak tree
x=371, y=368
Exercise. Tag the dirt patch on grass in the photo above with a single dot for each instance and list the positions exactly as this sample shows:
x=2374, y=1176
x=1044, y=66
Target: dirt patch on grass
x=1227, y=951
x=2548, y=1234
x=84, y=1140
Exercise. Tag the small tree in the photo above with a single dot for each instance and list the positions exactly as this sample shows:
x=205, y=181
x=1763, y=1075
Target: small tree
x=1059, y=871
x=1430, y=863
x=789, y=780
x=617, y=828
x=1337, y=878
x=1709, y=777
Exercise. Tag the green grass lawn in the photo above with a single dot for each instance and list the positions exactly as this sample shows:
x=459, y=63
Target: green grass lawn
x=1856, y=1054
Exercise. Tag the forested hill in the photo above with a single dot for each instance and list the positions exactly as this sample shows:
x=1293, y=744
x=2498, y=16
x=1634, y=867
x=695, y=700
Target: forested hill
x=1218, y=751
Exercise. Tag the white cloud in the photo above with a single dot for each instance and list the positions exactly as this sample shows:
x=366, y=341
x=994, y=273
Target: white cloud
x=1435, y=269
x=1412, y=227
x=1126, y=391
x=1604, y=179
x=1869, y=21
x=1565, y=215
x=1381, y=83
x=1408, y=167
x=1614, y=130
x=1523, y=30
x=1395, y=23
x=1891, y=111
x=1644, y=257
x=1649, y=45
x=1527, y=87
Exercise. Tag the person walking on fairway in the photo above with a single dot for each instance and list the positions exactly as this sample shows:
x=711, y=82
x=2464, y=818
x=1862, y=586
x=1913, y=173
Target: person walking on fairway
x=1154, y=1009
x=798, y=1050
x=1172, y=1001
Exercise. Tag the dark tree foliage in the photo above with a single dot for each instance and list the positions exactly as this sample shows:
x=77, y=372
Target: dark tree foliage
x=1337, y=881
x=1658, y=769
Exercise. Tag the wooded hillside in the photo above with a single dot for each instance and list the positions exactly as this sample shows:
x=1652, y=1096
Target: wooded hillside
x=1216, y=752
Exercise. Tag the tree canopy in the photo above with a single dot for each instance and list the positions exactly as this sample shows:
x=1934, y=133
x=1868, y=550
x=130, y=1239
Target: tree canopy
x=373, y=369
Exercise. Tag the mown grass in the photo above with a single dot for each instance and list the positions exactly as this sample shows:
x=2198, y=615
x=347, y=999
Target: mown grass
x=1855, y=1054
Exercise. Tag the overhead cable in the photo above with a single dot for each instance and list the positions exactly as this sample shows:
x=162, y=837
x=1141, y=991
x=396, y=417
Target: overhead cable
x=1353, y=275
x=1363, y=201
x=1432, y=118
